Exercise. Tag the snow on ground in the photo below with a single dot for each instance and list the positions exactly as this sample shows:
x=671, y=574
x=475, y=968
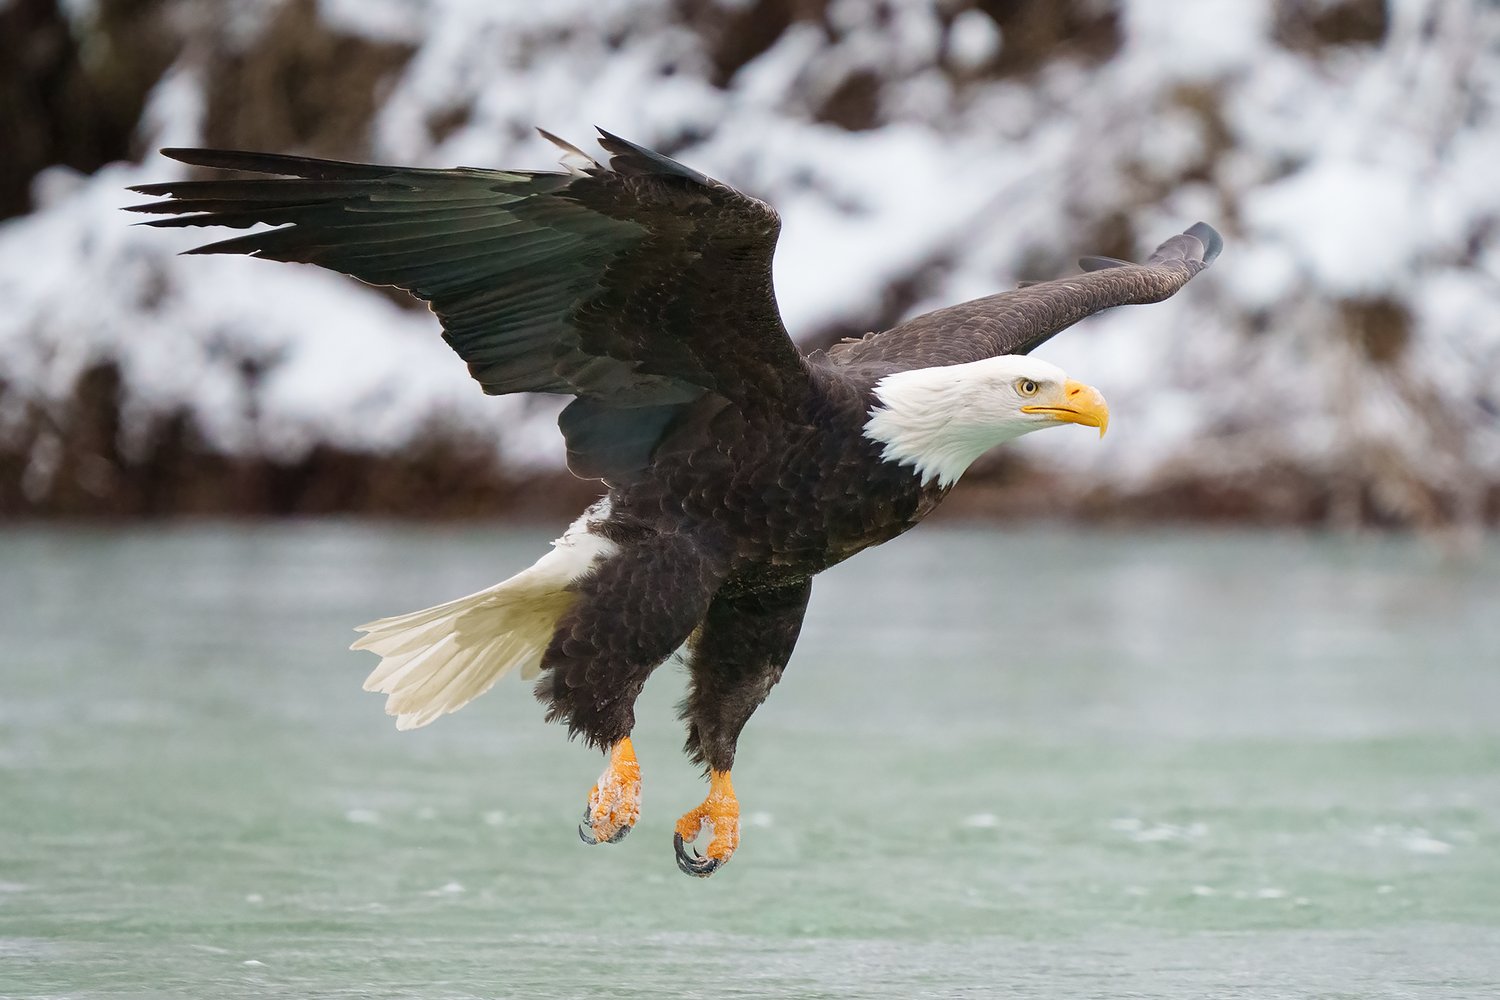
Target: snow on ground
x=1352, y=174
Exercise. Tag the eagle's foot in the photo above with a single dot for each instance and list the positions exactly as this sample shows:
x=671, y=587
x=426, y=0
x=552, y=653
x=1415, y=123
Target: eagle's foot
x=615, y=802
x=721, y=811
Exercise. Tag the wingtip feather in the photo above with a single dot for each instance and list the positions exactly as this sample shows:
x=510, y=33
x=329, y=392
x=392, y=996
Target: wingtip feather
x=1212, y=242
x=1096, y=262
x=574, y=160
x=637, y=155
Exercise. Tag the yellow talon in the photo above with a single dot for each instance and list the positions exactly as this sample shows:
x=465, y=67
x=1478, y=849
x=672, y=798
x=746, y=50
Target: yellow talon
x=615, y=801
x=721, y=810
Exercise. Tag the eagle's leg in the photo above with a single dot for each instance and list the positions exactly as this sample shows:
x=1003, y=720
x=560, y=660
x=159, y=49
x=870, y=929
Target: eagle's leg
x=736, y=657
x=629, y=614
x=615, y=800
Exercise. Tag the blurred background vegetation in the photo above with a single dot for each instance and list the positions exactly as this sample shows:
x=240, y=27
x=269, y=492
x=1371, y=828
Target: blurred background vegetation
x=1340, y=365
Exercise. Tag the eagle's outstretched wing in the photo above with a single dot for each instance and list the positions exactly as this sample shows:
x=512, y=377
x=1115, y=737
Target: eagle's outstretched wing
x=1017, y=322
x=638, y=286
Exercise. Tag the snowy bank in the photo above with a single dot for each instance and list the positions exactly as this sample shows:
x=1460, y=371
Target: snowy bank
x=1341, y=361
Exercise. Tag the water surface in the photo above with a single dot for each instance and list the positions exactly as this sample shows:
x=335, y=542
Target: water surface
x=1030, y=763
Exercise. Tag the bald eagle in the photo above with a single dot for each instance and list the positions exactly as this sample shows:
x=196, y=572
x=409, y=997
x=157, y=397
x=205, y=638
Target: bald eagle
x=737, y=467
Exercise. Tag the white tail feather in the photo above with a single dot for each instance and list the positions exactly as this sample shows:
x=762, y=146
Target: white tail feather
x=437, y=660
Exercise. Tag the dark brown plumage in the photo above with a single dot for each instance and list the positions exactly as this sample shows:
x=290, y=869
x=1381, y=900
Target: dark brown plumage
x=738, y=469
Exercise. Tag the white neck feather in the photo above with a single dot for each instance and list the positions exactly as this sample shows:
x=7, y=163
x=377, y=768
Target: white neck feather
x=925, y=419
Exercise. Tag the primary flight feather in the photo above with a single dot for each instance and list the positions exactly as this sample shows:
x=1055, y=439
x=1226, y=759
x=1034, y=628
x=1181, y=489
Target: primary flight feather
x=737, y=467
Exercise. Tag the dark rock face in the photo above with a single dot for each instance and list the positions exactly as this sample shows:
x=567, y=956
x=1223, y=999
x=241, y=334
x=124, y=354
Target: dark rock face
x=73, y=93
x=302, y=86
x=60, y=104
x=89, y=458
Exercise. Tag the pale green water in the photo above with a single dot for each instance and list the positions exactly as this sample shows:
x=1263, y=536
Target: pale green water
x=1039, y=764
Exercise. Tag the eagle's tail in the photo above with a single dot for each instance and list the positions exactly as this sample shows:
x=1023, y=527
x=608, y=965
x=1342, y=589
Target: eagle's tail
x=439, y=659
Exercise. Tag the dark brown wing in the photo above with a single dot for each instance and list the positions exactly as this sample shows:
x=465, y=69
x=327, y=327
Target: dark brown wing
x=1017, y=322
x=637, y=286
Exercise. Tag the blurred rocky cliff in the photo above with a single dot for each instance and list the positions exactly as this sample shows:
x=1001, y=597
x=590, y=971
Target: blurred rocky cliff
x=1339, y=364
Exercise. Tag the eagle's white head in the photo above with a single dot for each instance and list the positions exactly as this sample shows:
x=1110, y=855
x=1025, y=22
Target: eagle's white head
x=939, y=420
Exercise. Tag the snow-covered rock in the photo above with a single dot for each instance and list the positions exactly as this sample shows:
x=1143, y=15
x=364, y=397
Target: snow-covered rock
x=1350, y=332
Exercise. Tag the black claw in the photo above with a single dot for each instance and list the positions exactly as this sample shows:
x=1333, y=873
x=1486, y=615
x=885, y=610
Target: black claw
x=586, y=830
x=697, y=865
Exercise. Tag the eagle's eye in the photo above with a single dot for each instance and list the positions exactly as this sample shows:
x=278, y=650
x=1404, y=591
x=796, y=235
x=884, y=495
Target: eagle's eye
x=1027, y=387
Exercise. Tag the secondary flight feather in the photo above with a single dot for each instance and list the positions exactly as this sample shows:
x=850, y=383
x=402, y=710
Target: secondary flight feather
x=737, y=468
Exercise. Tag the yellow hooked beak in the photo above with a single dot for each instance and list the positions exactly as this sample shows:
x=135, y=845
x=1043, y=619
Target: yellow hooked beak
x=1079, y=404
